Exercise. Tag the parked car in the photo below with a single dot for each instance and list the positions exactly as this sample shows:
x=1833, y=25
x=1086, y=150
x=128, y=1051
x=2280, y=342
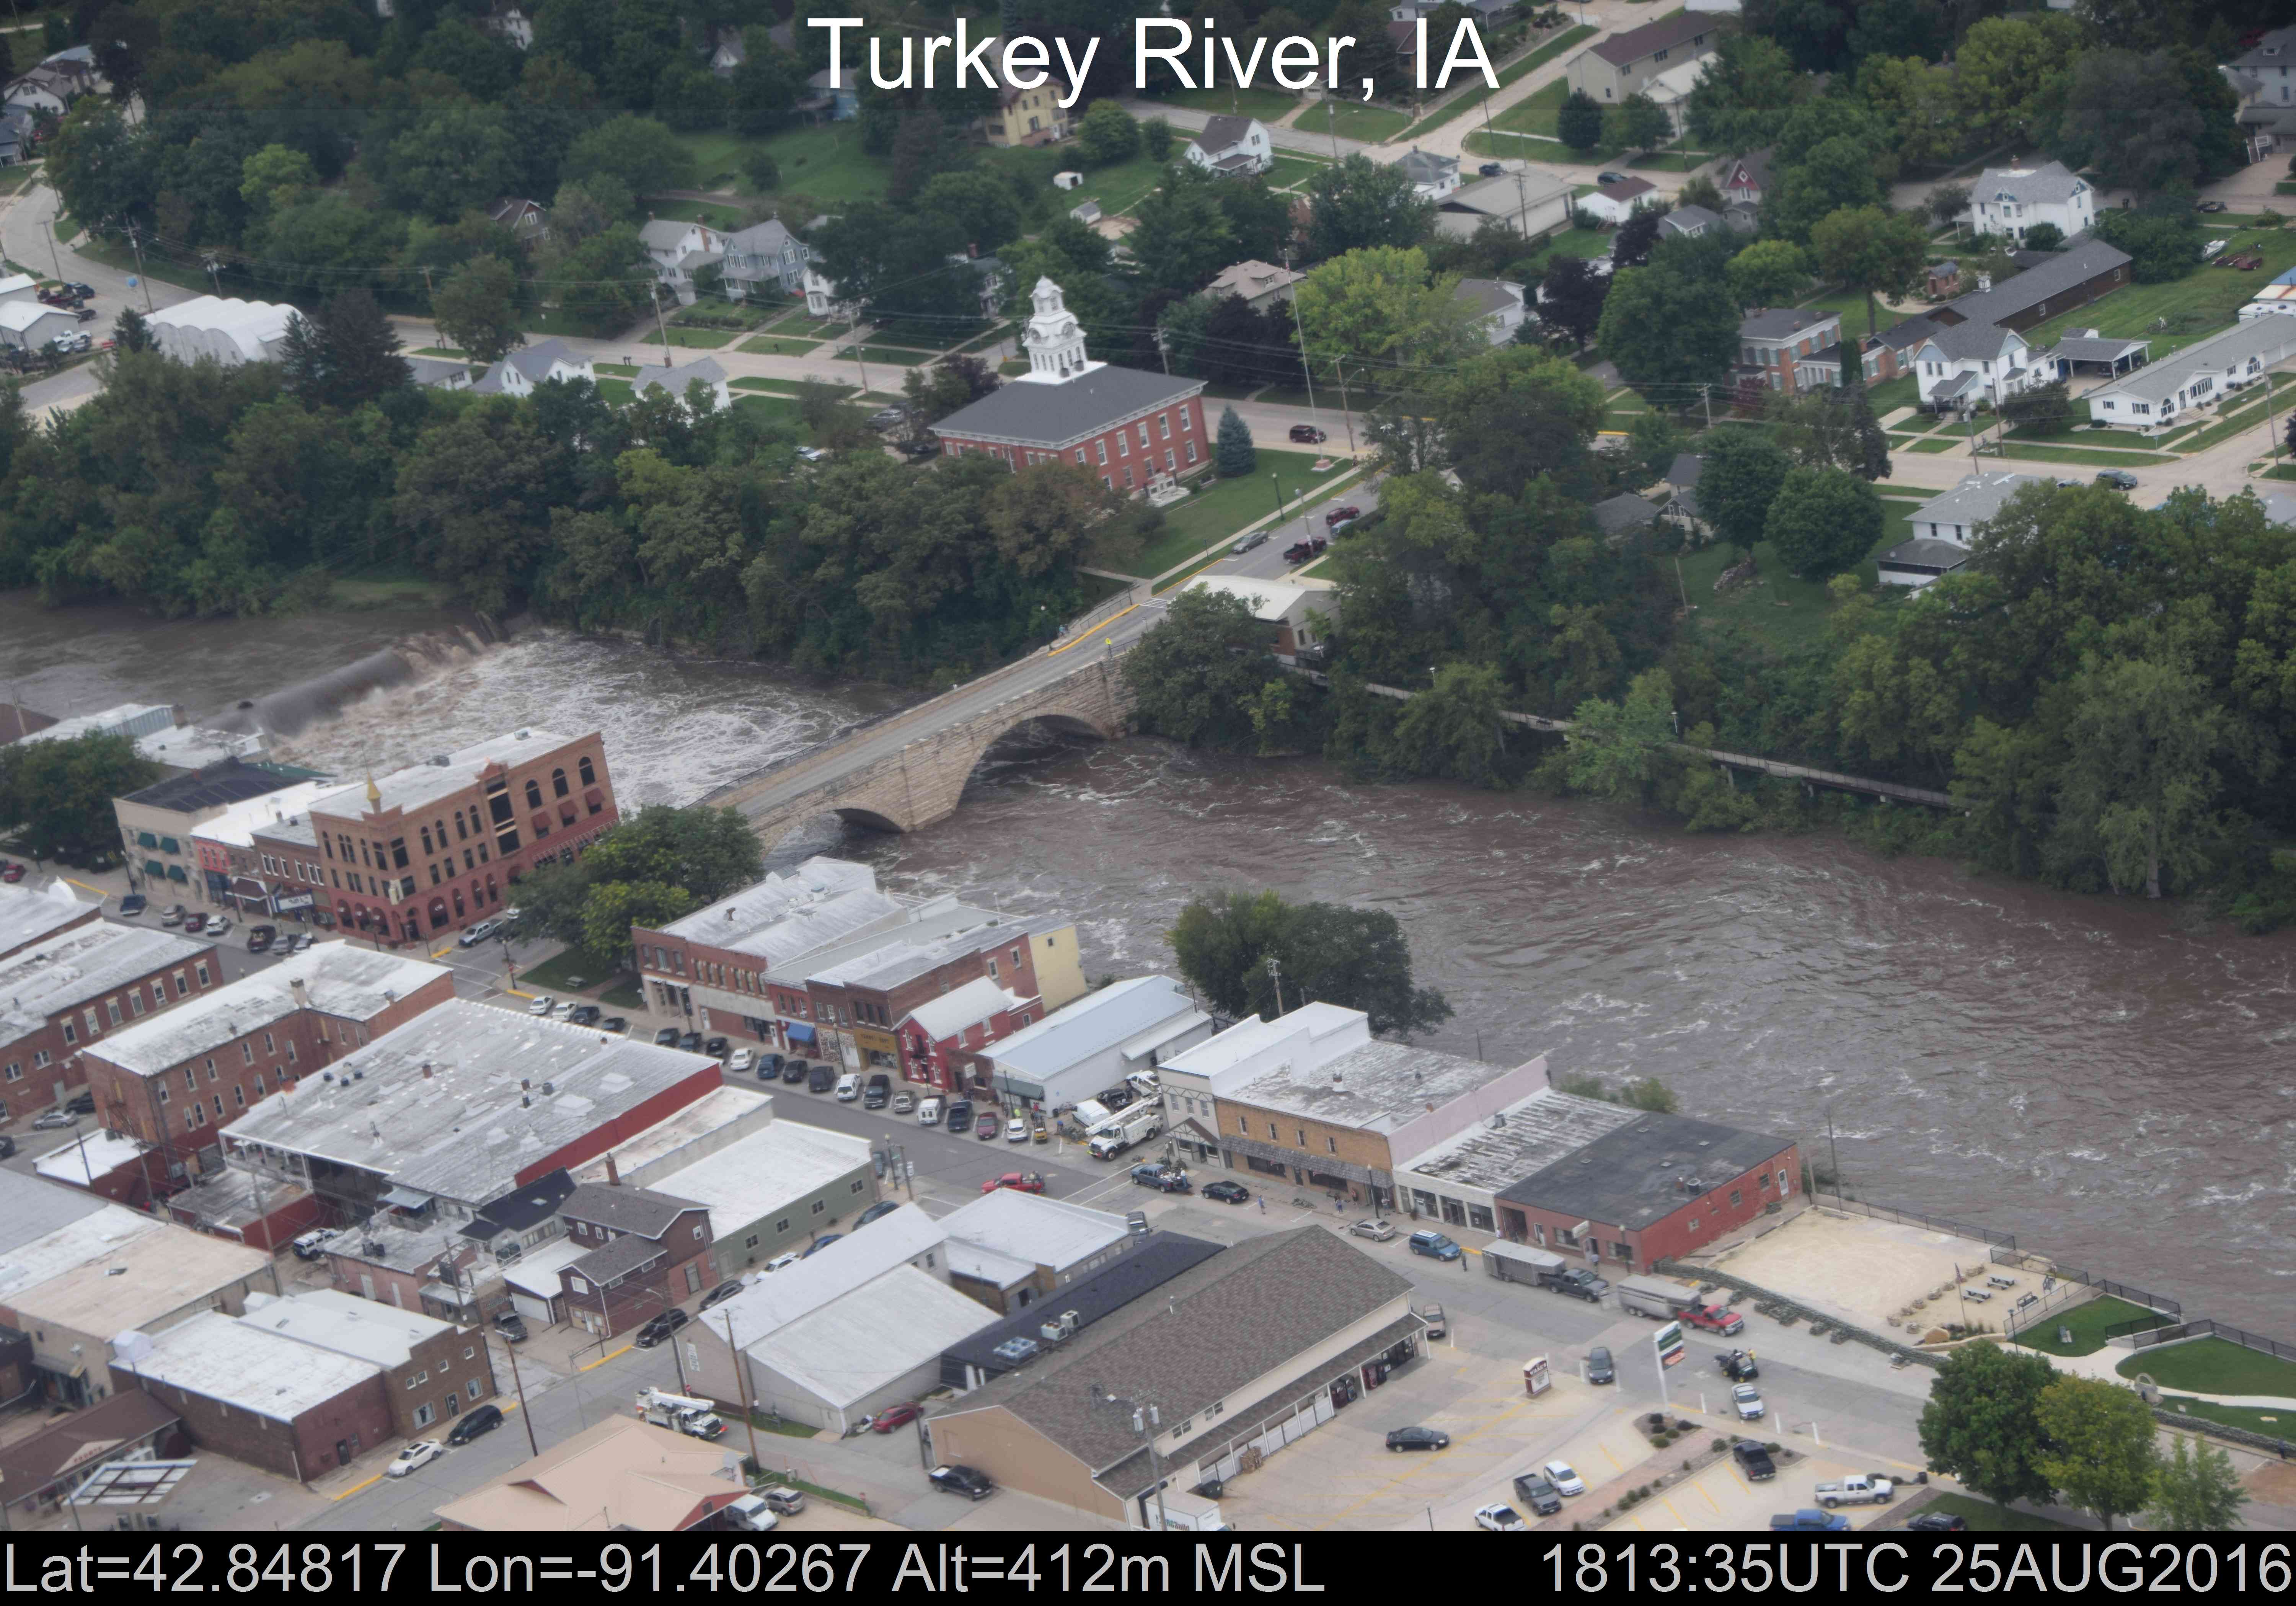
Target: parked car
x=1434, y=1245
x=1501, y=1519
x=743, y=1062
x=2119, y=479
x=1937, y=1522
x=1747, y=1401
x=1754, y=1461
x=783, y=1262
x=1610, y=178
x=1162, y=1178
x=1538, y=1493
x=51, y=1119
x=511, y=1325
x=174, y=916
x=904, y=1103
x=795, y=1071
x=586, y=1015
x=886, y=418
x=1738, y=1366
x=7, y=1147
x=654, y=1331
x=311, y=1245
x=195, y=921
x=1020, y=1182
x=1599, y=1366
x=1378, y=1231
x=217, y=926
x=960, y=1116
x=85, y=292
x=819, y=1244
x=1256, y=539
x=1491, y=170
x=1566, y=1482
x=1228, y=1192
x=813, y=454
x=1299, y=552
x=715, y=1047
x=987, y=1126
x=1341, y=515
x=877, y=1212
x=1810, y=1520
x=820, y=1079
x=1418, y=1438
x=478, y=933
x=969, y=1482
x=721, y=1293
x=134, y=904
x=690, y=1042
x=878, y=1093
x=615, y=1023
x=421, y=1453
x=11, y=871
x=896, y=1416
x=1016, y=1131
x=82, y=1103
x=477, y=1420
x=1307, y=434
x=2208, y=206
x=543, y=1004
x=849, y=1087
x=260, y=939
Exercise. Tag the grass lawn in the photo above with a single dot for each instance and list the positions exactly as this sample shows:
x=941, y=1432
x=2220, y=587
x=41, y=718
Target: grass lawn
x=1119, y=188
x=617, y=390
x=1899, y=444
x=1852, y=305
x=772, y=387
x=1938, y=443
x=707, y=339
x=1224, y=506
x=1588, y=243
x=1785, y=611
x=618, y=370
x=2214, y=1366
x=2077, y=454
x=1670, y=161
x=2088, y=1323
x=1294, y=171
x=565, y=972
x=928, y=336
x=448, y=353
x=1352, y=120
x=2272, y=1424
x=1903, y=391
x=902, y=356
x=1535, y=112
x=2232, y=423
x=778, y=345
x=1984, y=1517
x=778, y=407
x=1266, y=104
x=1512, y=73
x=624, y=996
x=2203, y=302
x=716, y=215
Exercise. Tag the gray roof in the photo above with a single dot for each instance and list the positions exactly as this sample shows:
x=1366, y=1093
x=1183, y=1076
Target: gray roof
x=1233, y=1320
x=1050, y=417
x=1689, y=220
x=60, y=974
x=30, y=1208
x=1978, y=497
x=1526, y=1136
x=1490, y=296
x=758, y=240
x=1222, y=133
x=1970, y=342
x=1377, y=1088
x=1624, y=512
x=437, y=370
x=661, y=233
x=27, y=915
x=2079, y=348
x=2268, y=339
x=676, y=380
x=1626, y=189
x=1956, y=386
x=1421, y=167
x=2082, y=260
x=1906, y=334
x=1098, y=1021
x=1507, y=195
x=535, y=361
x=2050, y=184
x=1684, y=470
x=608, y=1265
x=1153, y=1262
x=1781, y=323
x=217, y=785
x=639, y=1210
x=1644, y=1172
x=1621, y=50
x=1923, y=553
x=2274, y=49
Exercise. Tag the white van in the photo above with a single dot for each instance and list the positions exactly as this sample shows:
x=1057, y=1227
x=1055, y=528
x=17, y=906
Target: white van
x=849, y=1087
x=929, y=1109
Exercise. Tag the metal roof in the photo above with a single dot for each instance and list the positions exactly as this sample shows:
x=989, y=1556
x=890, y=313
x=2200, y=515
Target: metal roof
x=1523, y=1138
x=1978, y=497
x=27, y=915
x=1159, y=1257
x=1376, y=1088
x=418, y=786
x=222, y=1358
x=2266, y=339
x=1092, y=1025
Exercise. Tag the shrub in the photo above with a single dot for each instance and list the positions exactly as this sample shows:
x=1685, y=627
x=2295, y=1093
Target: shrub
x=1718, y=1447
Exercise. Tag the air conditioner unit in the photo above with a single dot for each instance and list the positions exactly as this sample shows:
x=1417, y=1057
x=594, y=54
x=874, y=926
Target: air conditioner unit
x=1012, y=1352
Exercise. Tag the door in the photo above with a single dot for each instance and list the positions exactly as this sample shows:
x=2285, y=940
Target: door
x=453, y=1402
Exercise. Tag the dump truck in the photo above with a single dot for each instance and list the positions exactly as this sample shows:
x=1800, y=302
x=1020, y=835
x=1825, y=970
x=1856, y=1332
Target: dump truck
x=696, y=1418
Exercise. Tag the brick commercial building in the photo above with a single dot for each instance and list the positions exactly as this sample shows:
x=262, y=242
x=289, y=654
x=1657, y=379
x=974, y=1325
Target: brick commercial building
x=438, y=1119
x=430, y=848
x=86, y=985
x=159, y=825
x=27, y=917
x=642, y=1252
x=1127, y=426
x=176, y=1082
x=260, y=1397
x=432, y=1370
x=1659, y=1186
x=231, y=871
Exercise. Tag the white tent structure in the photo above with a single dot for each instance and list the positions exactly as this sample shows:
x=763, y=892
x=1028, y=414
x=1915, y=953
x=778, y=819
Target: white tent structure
x=226, y=331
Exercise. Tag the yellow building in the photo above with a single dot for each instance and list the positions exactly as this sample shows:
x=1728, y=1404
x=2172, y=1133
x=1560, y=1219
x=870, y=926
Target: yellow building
x=1024, y=116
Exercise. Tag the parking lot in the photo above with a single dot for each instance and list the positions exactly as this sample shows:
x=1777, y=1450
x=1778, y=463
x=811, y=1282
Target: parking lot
x=1721, y=1500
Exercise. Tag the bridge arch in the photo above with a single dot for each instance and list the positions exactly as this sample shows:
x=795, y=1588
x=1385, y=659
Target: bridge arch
x=1071, y=721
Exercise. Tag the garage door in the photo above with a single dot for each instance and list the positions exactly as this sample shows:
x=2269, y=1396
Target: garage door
x=535, y=1310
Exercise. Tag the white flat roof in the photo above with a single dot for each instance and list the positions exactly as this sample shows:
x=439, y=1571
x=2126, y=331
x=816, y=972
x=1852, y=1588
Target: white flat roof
x=236, y=826
x=780, y=1298
x=712, y=1113
x=366, y=1329
x=952, y=1012
x=340, y=979
x=418, y=786
x=861, y=1341
x=1030, y=1227
x=536, y=1271
x=31, y=1209
x=1269, y=600
x=1115, y=1013
x=79, y=966
x=229, y=1360
x=755, y=1175
x=148, y=1277
x=737, y=915
x=73, y=1243
x=27, y=915
x=80, y=1162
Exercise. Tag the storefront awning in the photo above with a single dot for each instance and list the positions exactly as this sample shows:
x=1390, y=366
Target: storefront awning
x=407, y=1198
x=175, y=873
x=799, y=1032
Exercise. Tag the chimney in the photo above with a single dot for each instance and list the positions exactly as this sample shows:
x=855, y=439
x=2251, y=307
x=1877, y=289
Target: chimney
x=613, y=1173
x=300, y=992
x=426, y=1070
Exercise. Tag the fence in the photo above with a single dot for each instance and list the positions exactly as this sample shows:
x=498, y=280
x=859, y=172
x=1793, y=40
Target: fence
x=2207, y=1328
x=1915, y=1218
x=2066, y=1273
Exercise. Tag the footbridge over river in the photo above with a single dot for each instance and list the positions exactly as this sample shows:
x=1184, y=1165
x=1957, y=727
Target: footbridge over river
x=907, y=770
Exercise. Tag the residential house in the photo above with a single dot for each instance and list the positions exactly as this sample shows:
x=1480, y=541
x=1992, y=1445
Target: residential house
x=1289, y=608
x=778, y=1189
x=1497, y=305
x=678, y=381
x=159, y=824
x=1791, y=348
x=1531, y=204
x=1749, y=178
x=679, y=251
x=765, y=258
x=527, y=219
x=1690, y=222
x=291, y=1409
x=432, y=1370
x=72, y=991
x=1621, y=517
x=1068, y=406
x=1942, y=281
x=1965, y=365
x=1011, y=1250
x=1243, y=1353
x=432, y=1268
x=1658, y=1187
x=829, y=101
x=2060, y=282
x=1457, y=1182
x=644, y=1253
x=1669, y=91
x=509, y=24
x=1620, y=200
x=1682, y=477
x=221, y=329
x=1261, y=285
x=2263, y=78
x=519, y=373
x=439, y=374
x=2014, y=200
x=822, y=299
x=620, y=1476
x=1022, y=117
x=1432, y=177
x=1943, y=527
x=1095, y=1044
x=727, y=52
x=2200, y=375
x=1230, y=146
x=1625, y=63
x=47, y=90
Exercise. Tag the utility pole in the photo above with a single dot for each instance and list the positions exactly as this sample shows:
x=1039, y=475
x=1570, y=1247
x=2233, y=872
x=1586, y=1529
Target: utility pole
x=661, y=324
x=741, y=1381
x=1275, y=974
x=1706, y=399
x=1832, y=1158
x=1147, y=1421
x=135, y=244
x=1347, y=414
x=2271, y=440
x=53, y=257
x=1306, y=368
x=1164, y=349
x=1328, y=128
x=1282, y=514
x=519, y=1384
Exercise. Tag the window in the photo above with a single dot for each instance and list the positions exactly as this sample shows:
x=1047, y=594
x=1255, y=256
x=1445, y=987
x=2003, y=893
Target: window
x=183, y=990
x=1192, y=451
x=750, y=1242
x=1735, y=1197
x=246, y=1057
x=71, y=1033
x=1332, y=1145
x=471, y=1389
x=1187, y=415
x=135, y=1004
x=1123, y=444
x=818, y=1207
x=697, y=1232
x=558, y=787
x=534, y=795
x=423, y=1414
x=782, y=1225
x=1144, y=434
x=1163, y=426
x=856, y=1184
x=1271, y=1131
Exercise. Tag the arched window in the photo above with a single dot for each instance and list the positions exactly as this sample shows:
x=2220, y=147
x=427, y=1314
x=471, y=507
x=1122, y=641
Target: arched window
x=492, y=896
x=589, y=775
x=534, y=795
x=558, y=783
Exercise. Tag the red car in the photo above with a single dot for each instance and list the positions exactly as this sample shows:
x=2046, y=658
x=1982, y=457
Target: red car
x=11, y=872
x=1338, y=515
x=895, y=1416
x=1020, y=1182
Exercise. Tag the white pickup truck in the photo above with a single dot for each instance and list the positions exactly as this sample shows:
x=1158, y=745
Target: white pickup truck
x=1856, y=1490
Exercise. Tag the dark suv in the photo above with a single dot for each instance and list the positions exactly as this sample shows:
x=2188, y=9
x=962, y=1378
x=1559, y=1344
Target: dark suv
x=478, y=1420
x=960, y=1116
x=968, y=1481
x=1534, y=1491
x=654, y=1331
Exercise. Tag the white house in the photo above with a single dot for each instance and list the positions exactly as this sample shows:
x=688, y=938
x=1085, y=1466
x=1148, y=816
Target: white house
x=1432, y=177
x=1498, y=307
x=518, y=374
x=1261, y=284
x=1530, y=202
x=2263, y=78
x=1616, y=202
x=679, y=251
x=821, y=298
x=764, y=257
x=2011, y=201
x=1233, y=146
x=1669, y=91
x=1943, y=527
x=2198, y=376
x=1964, y=365
x=28, y=325
x=676, y=381
x=1289, y=608
x=229, y=331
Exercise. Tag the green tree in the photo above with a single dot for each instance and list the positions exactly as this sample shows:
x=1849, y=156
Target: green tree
x=1837, y=173
x=2195, y=1490
x=1184, y=237
x=55, y=797
x=2099, y=1448
x=344, y=355
x=1380, y=307
x=641, y=154
x=130, y=333
x=1044, y=516
x=2146, y=122
x=981, y=206
x=272, y=173
x=1453, y=730
x=2003, y=70
x=611, y=908
x=1823, y=521
x=1578, y=120
x=477, y=310
x=1663, y=327
x=1106, y=135
x=2142, y=788
x=473, y=496
x=763, y=172
x=1769, y=273
x=1156, y=139
x=1749, y=88
x=2045, y=236
x=1234, y=454
x=1357, y=204
x=1636, y=123
x=1983, y=1424
x=1740, y=478
x=1324, y=954
x=452, y=159
x=1195, y=677
x=1618, y=751
x=1917, y=99
x=1872, y=460
x=1872, y=250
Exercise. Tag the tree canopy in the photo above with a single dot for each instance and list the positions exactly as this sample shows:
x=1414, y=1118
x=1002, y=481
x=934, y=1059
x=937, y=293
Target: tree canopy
x=1323, y=952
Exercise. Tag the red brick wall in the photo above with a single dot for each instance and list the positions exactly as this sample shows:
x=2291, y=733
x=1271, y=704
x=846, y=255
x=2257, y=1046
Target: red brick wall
x=435, y=1371
x=303, y=1449
x=1672, y=1233
x=1142, y=464
x=26, y=1086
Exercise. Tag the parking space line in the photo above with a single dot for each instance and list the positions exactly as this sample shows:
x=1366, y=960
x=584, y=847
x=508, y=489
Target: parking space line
x=355, y=1489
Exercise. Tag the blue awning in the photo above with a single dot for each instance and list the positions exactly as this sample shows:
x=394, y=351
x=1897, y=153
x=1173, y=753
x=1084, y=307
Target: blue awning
x=799, y=1032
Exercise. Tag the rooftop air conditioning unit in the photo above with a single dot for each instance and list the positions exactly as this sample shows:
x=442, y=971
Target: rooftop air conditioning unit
x=1012, y=1352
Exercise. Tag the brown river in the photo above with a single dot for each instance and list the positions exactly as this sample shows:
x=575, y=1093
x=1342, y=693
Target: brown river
x=2114, y=1088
